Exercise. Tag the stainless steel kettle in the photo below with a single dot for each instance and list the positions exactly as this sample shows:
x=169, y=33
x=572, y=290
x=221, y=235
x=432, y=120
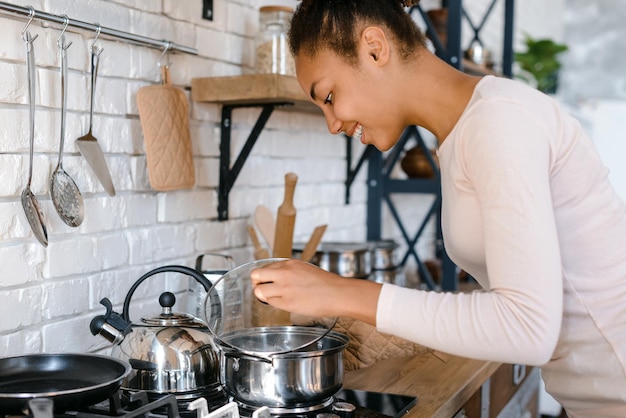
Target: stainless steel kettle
x=170, y=353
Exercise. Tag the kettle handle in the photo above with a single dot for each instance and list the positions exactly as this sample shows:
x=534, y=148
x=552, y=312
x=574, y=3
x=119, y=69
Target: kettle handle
x=165, y=269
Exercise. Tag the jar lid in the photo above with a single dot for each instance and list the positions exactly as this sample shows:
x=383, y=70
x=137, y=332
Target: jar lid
x=232, y=310
x=268, y=9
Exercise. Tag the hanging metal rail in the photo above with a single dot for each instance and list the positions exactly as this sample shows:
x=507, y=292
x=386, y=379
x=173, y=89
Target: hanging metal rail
x=28, y=12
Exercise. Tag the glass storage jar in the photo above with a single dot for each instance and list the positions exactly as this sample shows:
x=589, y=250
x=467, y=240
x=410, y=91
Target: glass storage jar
x=272, y=49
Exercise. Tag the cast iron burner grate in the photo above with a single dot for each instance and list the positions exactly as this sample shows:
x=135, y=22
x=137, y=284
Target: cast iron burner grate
x=345, y=404
x=124, y=404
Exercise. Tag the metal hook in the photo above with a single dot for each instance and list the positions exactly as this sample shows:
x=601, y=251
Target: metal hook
x=61, y=38
x=31, y=16
x=94, y=49
x=168, y=46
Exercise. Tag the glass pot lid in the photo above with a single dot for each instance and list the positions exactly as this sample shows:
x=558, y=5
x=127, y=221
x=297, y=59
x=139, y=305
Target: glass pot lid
x=232, y=309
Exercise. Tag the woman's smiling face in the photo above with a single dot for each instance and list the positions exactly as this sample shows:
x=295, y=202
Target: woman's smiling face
x=355, y=99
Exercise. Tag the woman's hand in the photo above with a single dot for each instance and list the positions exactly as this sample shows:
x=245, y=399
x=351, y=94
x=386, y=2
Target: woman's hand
x=305, y=289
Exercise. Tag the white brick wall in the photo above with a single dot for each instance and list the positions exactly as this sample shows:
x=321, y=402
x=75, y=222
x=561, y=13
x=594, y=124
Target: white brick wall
x=49, y=295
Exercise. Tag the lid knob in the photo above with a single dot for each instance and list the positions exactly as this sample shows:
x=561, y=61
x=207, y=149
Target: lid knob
x=167, y=300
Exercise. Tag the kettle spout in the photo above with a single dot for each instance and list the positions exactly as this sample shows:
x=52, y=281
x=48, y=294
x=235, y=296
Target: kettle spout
x=111, y=325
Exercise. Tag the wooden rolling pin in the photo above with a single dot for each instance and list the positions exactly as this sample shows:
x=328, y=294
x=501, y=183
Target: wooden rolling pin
x=285, y=220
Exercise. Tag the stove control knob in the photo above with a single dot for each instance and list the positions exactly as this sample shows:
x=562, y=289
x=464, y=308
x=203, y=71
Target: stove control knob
x=344, y=409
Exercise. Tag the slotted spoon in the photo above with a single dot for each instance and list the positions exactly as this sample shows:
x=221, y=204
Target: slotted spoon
x=65, y=195
x=29, y=201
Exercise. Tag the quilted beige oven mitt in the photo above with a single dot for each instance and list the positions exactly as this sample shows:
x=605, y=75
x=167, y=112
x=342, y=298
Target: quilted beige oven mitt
x=164, y=115
x=369, y=346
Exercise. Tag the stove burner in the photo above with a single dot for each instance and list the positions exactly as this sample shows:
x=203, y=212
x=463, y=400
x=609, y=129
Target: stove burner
x=300, y=410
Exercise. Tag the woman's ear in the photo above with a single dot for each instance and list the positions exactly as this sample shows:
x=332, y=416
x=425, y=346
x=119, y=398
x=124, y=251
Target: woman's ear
x=375, y=44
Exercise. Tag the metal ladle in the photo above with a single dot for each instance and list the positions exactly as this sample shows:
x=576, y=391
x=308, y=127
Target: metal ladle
x=65, y=195
x=31, y=206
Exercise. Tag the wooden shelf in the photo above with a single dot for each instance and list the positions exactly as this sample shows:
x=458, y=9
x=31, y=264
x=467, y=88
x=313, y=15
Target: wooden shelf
x=252, y=89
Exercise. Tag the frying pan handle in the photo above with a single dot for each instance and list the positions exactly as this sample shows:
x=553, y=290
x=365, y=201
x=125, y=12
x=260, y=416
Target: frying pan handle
x=40, y=407
x=165, y=269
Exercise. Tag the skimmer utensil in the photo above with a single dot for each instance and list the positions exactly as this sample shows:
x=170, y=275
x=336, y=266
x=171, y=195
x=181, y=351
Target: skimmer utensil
x=31, y=206
x=65, y=195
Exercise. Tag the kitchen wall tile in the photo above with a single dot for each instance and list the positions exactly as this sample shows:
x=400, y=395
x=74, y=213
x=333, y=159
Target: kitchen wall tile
x=106, y=13
x=112, y=251
x=191, y=11
x=24, y=266
x=10, y=37
x=156, y=244
x=15, y=135
x=22, y=342
x=13, y=83
x=13, y=182
x=241, y=19
x=103, y=213
x=112, y=97
x=13, y=222
x=207, y=112
x=138, y=210
x=114, y=133
x=151, y=25
x=205, y=139
x=211, y=236
x=114, y=61
x=178, y=206
x=107, y=284
x=70, y=335
x=219, y=45
x=207, y=173
x=138, y=179
x=22, y=307
x=66, y=257
x=63, y=298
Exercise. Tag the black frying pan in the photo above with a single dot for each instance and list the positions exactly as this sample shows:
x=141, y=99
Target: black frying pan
x=71, y=381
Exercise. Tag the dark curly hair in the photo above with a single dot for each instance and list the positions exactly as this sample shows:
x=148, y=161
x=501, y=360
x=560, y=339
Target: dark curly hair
x=331, y=24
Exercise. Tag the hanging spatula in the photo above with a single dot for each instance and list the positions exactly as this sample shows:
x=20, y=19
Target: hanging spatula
x=87, y=144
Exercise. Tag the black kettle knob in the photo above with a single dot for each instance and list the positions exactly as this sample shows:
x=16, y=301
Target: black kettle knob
x=111, y=325
x=167, y=300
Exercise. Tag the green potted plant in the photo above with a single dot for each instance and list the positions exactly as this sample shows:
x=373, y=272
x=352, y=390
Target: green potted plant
x=540, y=61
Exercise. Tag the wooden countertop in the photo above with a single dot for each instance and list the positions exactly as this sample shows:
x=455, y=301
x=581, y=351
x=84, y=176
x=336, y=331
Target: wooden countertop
x=442, y=383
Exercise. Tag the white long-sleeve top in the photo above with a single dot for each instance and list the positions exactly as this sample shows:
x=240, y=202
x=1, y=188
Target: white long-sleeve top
x=528, y=211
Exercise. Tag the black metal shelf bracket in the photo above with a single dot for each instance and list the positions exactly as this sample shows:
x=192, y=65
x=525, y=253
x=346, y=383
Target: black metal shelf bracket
x=228, y=175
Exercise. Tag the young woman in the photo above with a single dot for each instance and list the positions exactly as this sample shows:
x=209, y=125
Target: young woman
x=527, y=209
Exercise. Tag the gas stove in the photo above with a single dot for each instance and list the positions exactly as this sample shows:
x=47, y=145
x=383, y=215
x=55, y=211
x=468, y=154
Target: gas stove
x=345, y=404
